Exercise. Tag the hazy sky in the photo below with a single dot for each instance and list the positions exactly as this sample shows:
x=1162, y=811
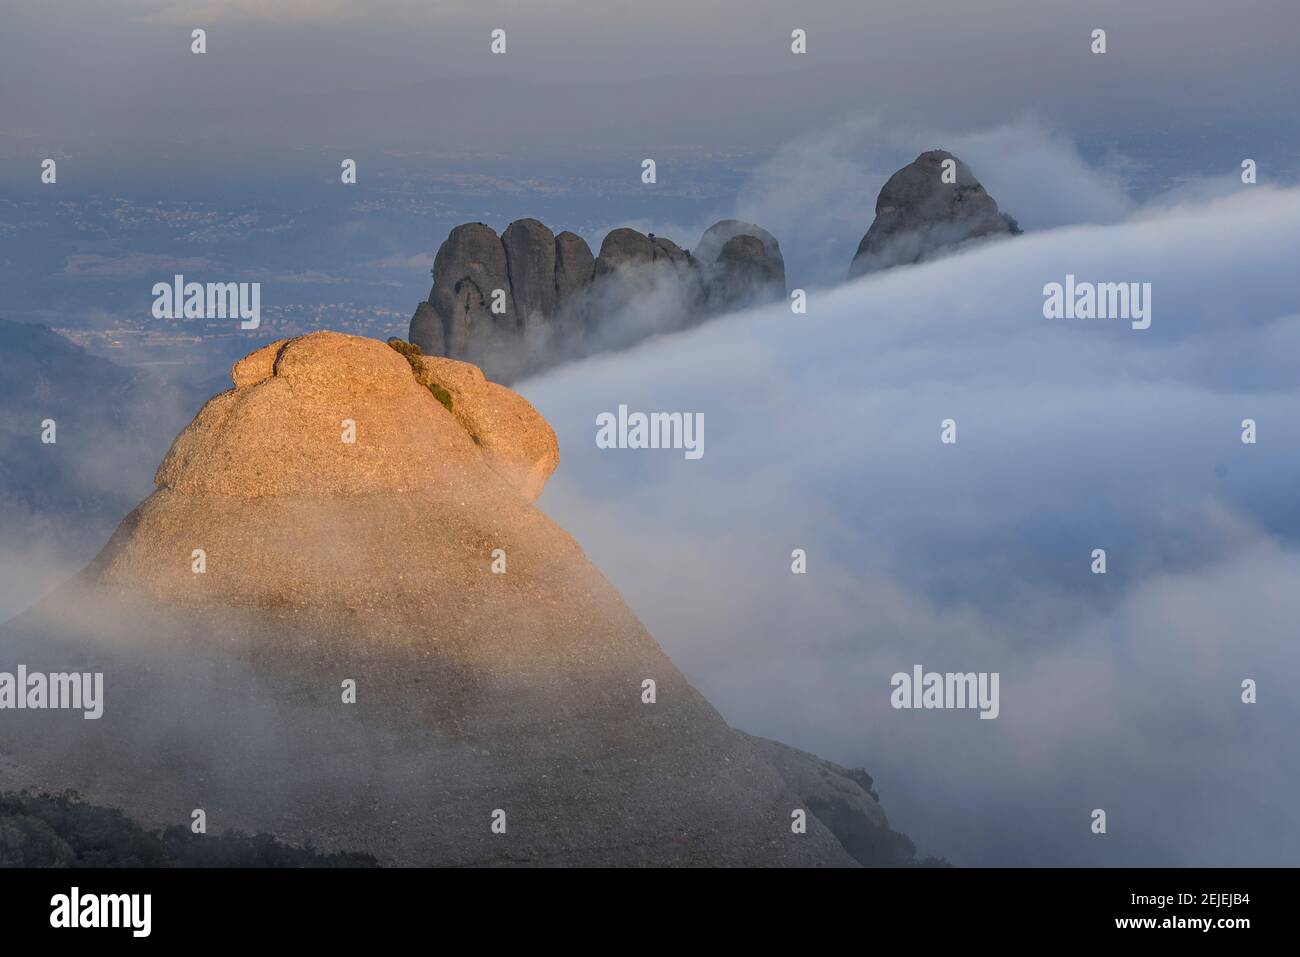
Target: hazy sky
x=118, y=79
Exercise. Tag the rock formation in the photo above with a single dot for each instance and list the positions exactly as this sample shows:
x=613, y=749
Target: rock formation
x=574, y=265
x=355, y=516
x=641, y=285
x=708, y=249
x=919, y=215
x=558, y=301
x=530, y=256
x=469, y=272
x=516, y=442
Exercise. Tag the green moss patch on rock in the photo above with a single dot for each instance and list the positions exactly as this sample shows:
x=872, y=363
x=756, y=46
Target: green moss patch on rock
x=412, y=353
x=442, y=395
x=408, y=349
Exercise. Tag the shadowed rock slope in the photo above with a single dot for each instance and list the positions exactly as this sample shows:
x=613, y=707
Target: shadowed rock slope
x=518, y=688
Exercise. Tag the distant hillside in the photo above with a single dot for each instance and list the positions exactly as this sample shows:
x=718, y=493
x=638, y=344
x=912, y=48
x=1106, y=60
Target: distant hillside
x=60, y=499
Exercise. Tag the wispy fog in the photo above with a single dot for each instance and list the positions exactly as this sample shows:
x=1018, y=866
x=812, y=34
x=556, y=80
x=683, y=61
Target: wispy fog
x=817, y=191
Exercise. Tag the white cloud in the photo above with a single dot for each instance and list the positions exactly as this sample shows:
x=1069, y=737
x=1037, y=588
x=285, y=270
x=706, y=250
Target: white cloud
x=823, y=433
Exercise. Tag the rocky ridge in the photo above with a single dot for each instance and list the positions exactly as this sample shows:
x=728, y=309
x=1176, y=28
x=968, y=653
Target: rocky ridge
x=555, y=300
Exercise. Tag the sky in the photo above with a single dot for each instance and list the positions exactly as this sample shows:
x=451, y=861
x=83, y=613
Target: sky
x=227, y=164
x=117, y=83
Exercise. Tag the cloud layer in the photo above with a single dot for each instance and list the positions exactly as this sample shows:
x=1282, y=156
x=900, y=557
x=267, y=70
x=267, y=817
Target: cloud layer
x=1119, y=692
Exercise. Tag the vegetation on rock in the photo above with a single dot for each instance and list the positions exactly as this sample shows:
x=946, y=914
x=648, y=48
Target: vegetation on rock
x=412, y=352
x=60, y=830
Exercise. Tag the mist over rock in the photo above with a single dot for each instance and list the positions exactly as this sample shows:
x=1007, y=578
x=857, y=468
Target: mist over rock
x=624, y=248
x=559, y=302
x=745, y=274
x=919, y=215
x=716, y=236
x=742, y=265
x=842, y=798
x=642, y=284
x=352, y=513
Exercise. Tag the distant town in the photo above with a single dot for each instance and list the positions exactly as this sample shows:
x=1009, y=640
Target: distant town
x=147, y=340
x=180, y=342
